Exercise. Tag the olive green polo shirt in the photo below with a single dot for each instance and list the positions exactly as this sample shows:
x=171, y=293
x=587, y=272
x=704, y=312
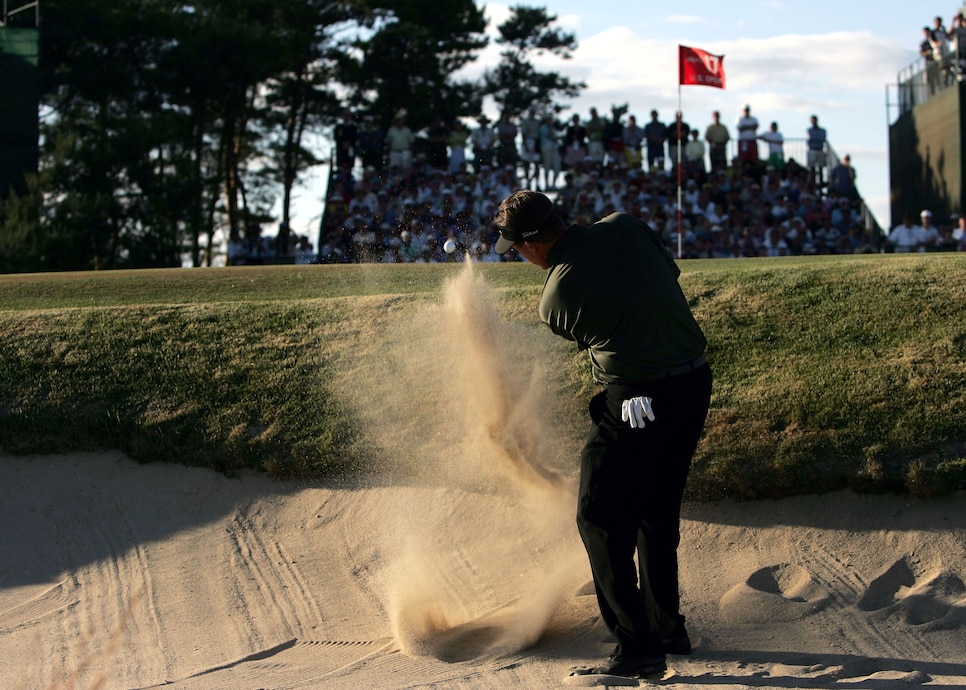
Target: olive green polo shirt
x=612, y=288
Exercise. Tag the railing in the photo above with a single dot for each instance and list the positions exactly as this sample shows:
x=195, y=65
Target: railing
x=6, y=11
x=868, y=219
x=920, y=80
x=794, y=147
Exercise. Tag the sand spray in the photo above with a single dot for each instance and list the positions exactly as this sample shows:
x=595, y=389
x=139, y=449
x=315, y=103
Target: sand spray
x=481, y=561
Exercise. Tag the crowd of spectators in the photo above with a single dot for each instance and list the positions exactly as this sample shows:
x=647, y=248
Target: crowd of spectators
x=944, y=51
x=925, y=236
x=397, y=196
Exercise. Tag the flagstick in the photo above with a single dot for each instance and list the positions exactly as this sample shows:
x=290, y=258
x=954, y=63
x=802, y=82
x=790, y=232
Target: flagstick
x=678, y=119
x=710, y=73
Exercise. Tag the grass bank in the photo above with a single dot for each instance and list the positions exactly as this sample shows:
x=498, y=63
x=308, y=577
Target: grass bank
x=829, y=371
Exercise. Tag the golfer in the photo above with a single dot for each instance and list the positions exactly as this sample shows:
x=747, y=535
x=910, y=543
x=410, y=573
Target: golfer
x=612, y=288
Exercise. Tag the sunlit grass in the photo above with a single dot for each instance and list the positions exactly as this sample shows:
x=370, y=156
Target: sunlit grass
x=829, y=371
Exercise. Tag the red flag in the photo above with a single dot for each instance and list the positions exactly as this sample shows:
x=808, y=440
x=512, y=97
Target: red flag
x=696, y=66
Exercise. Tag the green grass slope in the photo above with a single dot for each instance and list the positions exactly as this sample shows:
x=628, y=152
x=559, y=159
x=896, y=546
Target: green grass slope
x=829, y=371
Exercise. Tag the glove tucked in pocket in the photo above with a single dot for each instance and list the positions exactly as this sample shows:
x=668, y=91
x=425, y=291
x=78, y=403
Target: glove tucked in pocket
x=634, y=410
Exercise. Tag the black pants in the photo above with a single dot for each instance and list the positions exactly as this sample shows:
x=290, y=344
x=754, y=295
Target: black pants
x=631, y=486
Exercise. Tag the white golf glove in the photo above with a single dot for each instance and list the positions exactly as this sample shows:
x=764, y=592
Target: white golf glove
x=635, y=410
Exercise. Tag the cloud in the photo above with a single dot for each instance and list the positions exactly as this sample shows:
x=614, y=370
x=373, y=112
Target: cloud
x=495, y=15
x=568, y=22
x=854, y=62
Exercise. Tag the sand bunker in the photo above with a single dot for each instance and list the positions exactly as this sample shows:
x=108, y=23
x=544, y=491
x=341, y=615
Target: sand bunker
x=457, y=565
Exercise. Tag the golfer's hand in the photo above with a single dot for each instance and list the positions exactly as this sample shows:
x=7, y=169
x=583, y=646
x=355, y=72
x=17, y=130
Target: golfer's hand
x=634, y=411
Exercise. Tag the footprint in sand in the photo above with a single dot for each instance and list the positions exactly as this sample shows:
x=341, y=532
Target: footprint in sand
x=920, y=594
x=781, y=592
x=885, y=673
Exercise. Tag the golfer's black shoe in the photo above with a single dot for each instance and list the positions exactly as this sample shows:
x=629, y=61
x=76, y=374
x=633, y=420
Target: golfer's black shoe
x=679, y=645
x=628, y=666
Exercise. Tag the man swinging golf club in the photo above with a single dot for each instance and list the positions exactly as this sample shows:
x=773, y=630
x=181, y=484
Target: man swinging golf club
x=612, y=288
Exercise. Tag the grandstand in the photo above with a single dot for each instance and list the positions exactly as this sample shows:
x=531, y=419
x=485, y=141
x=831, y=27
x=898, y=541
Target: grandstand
x=753, y=204
x=927, y=138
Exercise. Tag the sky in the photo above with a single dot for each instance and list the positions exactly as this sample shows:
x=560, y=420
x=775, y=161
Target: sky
x=837, y=59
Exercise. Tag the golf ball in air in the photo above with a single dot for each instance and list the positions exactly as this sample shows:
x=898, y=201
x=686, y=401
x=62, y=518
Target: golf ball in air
x=449, y=246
